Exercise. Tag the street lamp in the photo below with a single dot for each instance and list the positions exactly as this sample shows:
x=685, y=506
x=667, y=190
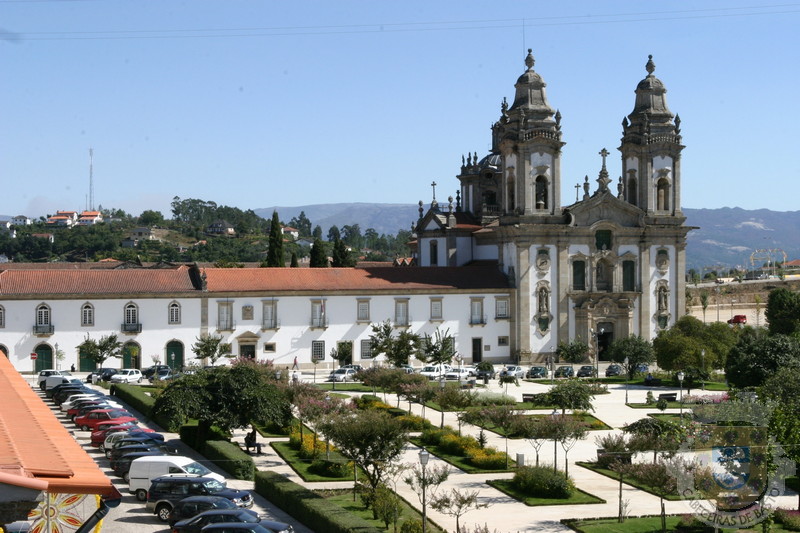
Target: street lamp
x=626, y=379
x=596, y=335
x=732, y=302
x=58, y=363
x=327, y=439
x=423, y=460
x=172, y=358
x=703, y=369
x=680, y=384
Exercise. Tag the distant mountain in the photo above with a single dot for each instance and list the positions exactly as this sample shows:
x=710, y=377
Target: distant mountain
x=726, y=236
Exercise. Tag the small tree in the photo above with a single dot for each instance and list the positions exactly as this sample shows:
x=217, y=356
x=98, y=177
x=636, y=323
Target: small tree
x=343, y=353
x=211, y=348
x=572, y=394
x=275, y=249
x=634, y=349
x=533, y=430
x=99, y=351
x=568, y=432
x=456, y=504
x=704, y=303
x=318, y=257
x=439, y=349
x=573, y=352
x=398, y=348
x=425, y=480
x=452, y=399
x=656, y=435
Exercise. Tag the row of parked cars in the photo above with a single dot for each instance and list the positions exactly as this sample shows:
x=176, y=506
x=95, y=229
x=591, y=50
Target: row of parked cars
x=177, y=489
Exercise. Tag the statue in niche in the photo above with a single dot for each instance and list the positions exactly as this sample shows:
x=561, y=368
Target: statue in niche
x=544, y=300
x=662, y=262
x=662, y=300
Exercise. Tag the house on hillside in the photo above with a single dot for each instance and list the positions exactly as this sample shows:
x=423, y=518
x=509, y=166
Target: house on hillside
x=221, y=227
x=63, y=218
x=90, y=218
x=291, y=232
x=21, y=220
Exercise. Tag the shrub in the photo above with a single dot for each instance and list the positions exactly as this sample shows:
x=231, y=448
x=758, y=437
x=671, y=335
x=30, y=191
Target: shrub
x=456, y=445
x=396, y=411
x=323, y=467
x=307, y=448
x=487, y=458
x=433, y=436
x=788, y=519
x=543, y=398
x=689, y=522
x=414, y=422
x=493, y=398
x=543, y=482
x=369, y=401
x=230, y=458
x=411, y=526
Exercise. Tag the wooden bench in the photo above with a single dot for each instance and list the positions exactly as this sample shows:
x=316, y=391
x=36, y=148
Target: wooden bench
x=669, y=396
x=527, y=398
x=655, y=382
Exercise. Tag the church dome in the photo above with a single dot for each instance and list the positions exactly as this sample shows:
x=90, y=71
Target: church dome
x=530, y=99
x=490, y=162
x=651, y=100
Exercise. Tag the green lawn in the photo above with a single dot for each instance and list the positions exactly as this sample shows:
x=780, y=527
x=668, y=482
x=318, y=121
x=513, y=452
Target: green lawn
x=648, y=524
x=300, y=465
x=594, y=423
x=579, y=497
x=460, y=461
x=346, y=387
x=627, y=480
x=344, y=499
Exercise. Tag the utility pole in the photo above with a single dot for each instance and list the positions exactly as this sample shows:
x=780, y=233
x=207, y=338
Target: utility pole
x=91, y=180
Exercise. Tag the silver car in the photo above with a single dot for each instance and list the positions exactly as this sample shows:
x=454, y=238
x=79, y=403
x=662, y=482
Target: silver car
x=513, y=370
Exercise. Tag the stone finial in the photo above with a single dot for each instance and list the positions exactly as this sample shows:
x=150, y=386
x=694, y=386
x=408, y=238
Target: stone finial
x=462, y=160
x=504, y=106
x=558, y=119
x=650, y=66
x=586, y=187
x=529, y=61
x=677, y=124
x=421, y=210
x=458, y=200
x=620, y=189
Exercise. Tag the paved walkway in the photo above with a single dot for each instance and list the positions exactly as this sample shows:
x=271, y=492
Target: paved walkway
x=504, y=514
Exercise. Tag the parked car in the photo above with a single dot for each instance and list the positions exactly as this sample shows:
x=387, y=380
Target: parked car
x=194, y=505
x=150, y=370
x=103, y=430
x=74, y=398
x=127, y=375
x=101, y=374
x=357, y=368
x=536, y=372
x=343, y=374
x=642, y=368
x=407, y=368
x=515, y=371
x=485, y=371
x=144, y=470
x=460, y=374
x=165, y=374
x=143, y=446
x=738, y=320
x=564, y=372
x=435, y=371
x=235, y=527
x=88, y=421
x=133, y=434
x=166, y=491
x=68, y=390
x=196, y=524
x=44, y=374
x=122, y=467
x=586, y=371
x=613, y=370
x=73, y=384
x=62, y=379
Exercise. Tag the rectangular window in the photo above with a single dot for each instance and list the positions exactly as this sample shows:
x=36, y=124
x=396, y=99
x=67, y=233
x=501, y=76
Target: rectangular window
x=436, y=309
x=131, y=314
x=270, y=315
x=269, y=347
x=225, y=316
x=317, y=350
x=174, y=313
x=476, y=311
x=401, y=312
x=318, y=316
x=362, y=310
x=602, y=239
x=628, y=276
x=502, y=341
x=501, y=309
x=43, y=316
x=578, y=275
x=434, y=249
x=366, y=349
x=87, y=315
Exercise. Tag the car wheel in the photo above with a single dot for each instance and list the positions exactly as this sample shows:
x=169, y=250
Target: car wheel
x=126, y=477
x=108, y=454
x=141, y=495
x=163, y=511
x=139, y=380
x=85, y=428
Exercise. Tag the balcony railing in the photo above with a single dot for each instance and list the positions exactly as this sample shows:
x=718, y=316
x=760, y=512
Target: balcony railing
x=477, y=320
x=272, y=323
x=132, y=327
x=321, y=322
x=43, y=329
x=226, y=325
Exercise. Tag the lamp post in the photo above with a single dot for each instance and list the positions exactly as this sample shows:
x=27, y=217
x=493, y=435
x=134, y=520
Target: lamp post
x=732, y=302
x=703, y=369
x=626, y=379
x=327, y=439
x=423, y=460
x=680, y=384
x=596, y=335
x=58, y=363
x=172, y=358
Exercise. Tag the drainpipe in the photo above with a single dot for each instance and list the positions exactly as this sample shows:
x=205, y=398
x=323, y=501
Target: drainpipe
x=106, y=504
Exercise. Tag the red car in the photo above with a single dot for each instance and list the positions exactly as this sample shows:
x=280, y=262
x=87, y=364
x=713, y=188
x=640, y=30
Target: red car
x=738, y=320
x=91, y=419
x=101, y=431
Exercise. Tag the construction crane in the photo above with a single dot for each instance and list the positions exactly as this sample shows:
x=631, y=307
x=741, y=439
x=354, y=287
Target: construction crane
x=769, y=256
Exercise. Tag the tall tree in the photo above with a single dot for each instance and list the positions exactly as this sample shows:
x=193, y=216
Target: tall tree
x=334, y=233
x=99, y=351
x=573, y=352
x=302, y=224
x=398, y=348
x=341, y=257
x=210, y=347
x=572, y=394
x=439, y=349
x=635, y=349
x=319, y=257
x=275, y=250
x=756, y=357
x=783, y=311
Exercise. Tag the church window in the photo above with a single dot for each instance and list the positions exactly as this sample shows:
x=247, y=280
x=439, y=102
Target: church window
x=434, y=250
x=631, y=191
x=603, y=278
x=541, y=192
x=662, y=195
x=628, y=276
x=602, y=239
x=87, y=315
x=579, y=275
x=510, y=194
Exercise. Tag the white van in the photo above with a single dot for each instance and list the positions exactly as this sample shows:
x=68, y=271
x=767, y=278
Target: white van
x=52, y=381
x=145, y=469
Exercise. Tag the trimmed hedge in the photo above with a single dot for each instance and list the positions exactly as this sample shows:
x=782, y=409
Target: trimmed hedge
x=310, y=508
x=231, y=458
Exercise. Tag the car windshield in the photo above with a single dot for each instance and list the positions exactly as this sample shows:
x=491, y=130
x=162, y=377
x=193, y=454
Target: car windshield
x=118, y=413
x=212, y=485
x=197, y=469
x=429, y=369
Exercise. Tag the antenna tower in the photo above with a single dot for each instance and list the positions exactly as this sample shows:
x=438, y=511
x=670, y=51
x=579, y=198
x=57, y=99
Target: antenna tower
x=91, y=181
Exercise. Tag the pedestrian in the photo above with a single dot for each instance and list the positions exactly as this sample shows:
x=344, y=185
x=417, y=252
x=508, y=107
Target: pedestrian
x=72, y=368
x=250, y=442
x=295, y=377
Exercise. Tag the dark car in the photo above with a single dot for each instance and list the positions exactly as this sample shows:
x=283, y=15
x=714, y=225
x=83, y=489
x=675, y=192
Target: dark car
x=71, y=382
x=536, y=372
x=150, y=370
x=62, y=393
x=166, y=491
x=116, y=453
x=196, y=524
x=135, y=439
x=485, y=372
x=194, y=505
x=101, y=374
x=235, y=527
x=122, y=466
x=586, y=371
x=564, y=372
x=613, y=370
x=642, y=368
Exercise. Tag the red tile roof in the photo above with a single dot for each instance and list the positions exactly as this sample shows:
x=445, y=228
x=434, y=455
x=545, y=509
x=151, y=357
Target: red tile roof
x=33, y=441
x=95, y=281
x=355, y=279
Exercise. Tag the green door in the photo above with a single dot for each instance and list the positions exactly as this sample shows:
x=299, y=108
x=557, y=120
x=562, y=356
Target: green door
x=85, y=363
x=174, y=355
x=44, y=359
x=130, y=355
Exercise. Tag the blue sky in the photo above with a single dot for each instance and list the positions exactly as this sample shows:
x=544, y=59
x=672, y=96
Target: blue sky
x=256, y=103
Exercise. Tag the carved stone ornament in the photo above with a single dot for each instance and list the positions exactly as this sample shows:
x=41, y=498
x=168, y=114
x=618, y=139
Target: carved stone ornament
x=543, y=260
